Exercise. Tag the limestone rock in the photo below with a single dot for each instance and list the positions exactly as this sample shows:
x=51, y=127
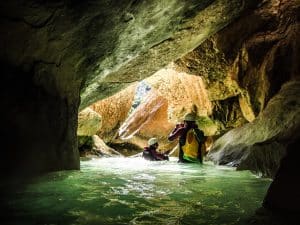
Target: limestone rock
x=114, y=111
x=279, y=122
x=248, y=58
x=139, y=47
x=102, y=148
x=89, y=122
x=184, y=93
x=149, y=118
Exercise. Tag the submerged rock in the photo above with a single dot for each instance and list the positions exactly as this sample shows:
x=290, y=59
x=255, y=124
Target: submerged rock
x=93, y=146
x=103, y=149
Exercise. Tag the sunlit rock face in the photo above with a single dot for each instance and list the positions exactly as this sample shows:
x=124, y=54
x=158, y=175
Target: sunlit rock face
x=89, y=122
x=114, y=111
x=184, y=93
x=135, y=115
x=260, y=145
x=149, y=119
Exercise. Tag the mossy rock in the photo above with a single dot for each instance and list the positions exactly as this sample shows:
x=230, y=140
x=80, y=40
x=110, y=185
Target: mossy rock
x=209, y=126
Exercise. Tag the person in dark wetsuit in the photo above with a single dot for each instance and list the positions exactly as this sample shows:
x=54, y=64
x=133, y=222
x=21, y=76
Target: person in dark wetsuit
x=190, y=139
x=150, y=152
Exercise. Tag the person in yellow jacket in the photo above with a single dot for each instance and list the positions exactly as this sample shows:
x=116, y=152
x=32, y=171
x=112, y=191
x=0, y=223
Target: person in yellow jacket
x=191, y=139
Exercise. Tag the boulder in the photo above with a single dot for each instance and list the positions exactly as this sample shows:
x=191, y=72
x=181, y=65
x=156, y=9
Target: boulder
x=89, y=122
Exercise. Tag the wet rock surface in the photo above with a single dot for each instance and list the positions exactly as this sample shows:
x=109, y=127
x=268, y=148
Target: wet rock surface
x=269, y=133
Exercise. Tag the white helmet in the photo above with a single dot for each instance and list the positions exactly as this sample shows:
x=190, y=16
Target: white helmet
x=152, y=141
x=190, y=117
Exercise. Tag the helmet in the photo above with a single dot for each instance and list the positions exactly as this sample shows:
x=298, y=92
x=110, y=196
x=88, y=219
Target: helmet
x=190, y=117
x=152, y=141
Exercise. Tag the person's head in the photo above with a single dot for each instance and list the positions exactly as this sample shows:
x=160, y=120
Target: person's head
x=153, y=142
x=189, y=118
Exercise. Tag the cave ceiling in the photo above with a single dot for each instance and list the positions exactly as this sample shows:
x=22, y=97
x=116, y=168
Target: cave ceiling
x=97, y=48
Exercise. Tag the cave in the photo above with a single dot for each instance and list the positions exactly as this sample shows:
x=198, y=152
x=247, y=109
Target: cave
x=59, y=57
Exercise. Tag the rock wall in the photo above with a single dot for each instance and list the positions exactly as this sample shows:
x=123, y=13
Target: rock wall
x=38, y=128
x=244, y=66
x=249, y=59
x=260, y=145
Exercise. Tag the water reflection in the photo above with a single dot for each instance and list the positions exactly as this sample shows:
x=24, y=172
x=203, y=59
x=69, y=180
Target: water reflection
x=134, y=191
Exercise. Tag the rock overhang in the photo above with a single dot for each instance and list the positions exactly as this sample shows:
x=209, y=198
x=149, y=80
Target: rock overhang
x=147, y=36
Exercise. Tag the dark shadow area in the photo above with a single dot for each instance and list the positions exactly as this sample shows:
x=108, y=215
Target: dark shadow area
x=283, y=195
x=34, y=126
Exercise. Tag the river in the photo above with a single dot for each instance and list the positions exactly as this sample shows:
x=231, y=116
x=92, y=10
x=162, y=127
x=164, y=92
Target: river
x=117, y=191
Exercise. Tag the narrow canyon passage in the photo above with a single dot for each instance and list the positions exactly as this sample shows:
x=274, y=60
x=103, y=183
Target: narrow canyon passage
x=102, y=77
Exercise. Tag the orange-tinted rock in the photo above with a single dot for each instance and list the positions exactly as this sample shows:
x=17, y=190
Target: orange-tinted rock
x=184, y=92
x=147, y=120
x=172, y=94
x=114, y=111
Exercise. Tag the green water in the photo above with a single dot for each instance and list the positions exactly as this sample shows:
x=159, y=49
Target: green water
x=133, y=191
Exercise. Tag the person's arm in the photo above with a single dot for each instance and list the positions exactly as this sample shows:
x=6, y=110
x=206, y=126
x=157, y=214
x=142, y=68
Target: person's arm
x=160, y=156
x=156, y=155
x=178, y=131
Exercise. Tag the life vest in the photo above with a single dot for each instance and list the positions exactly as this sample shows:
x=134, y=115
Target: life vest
x=191, y=146
x=147, y=154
